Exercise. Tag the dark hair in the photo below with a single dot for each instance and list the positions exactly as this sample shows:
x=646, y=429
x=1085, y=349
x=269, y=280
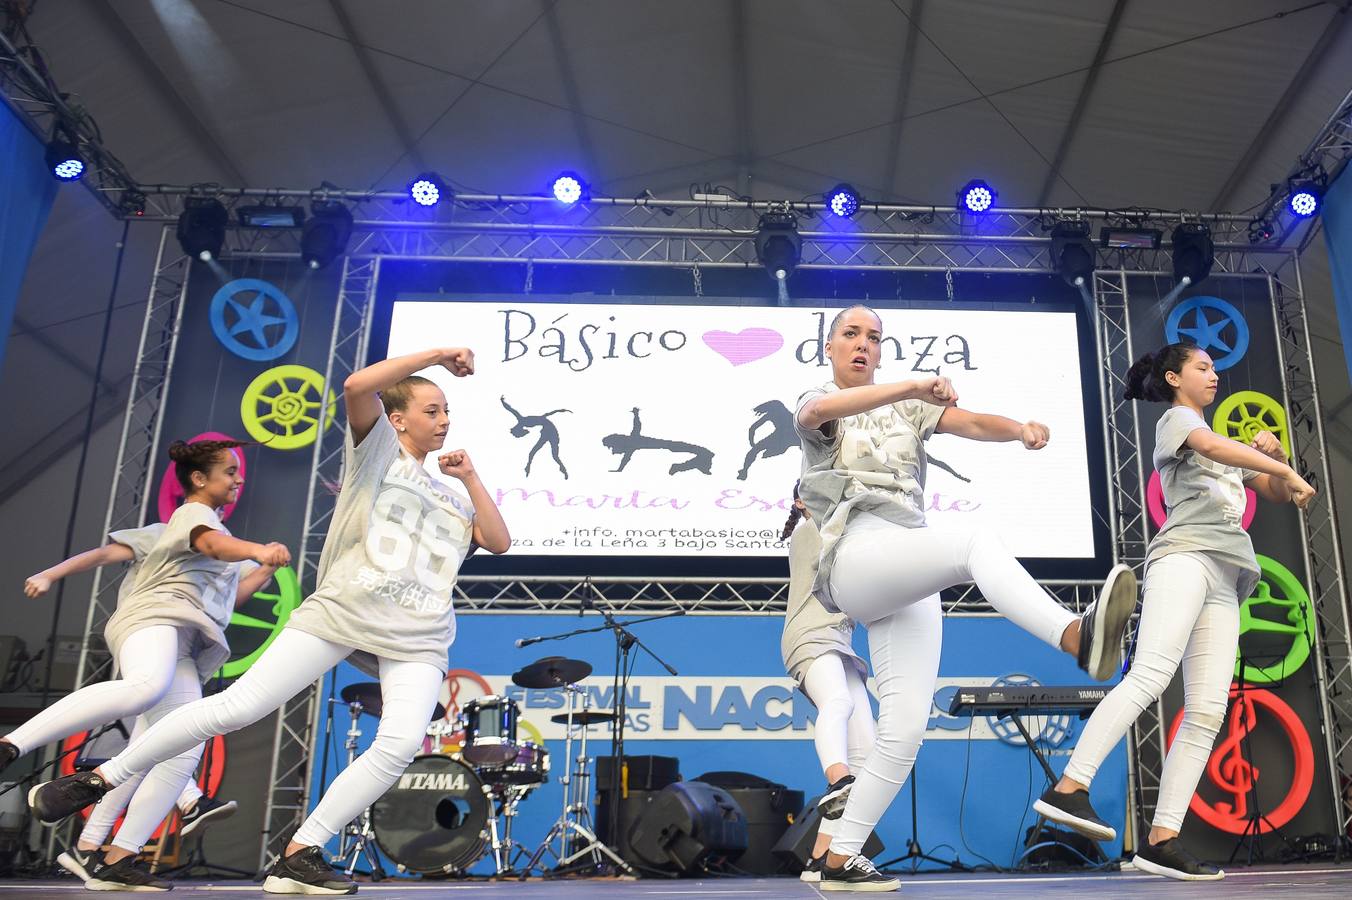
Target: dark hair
x=1145, y=378
x=835, y=323
x=199, y=456
x=395, y=397
x=794, y=515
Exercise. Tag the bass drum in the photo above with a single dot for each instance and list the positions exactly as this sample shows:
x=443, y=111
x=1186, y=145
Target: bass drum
x=434, y=818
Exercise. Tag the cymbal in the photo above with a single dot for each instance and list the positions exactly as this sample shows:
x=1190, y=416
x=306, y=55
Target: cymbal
x=585, y=717
x=552, y=671
x=367, y=693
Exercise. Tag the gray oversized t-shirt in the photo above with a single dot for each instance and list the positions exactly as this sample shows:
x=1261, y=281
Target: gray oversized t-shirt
x=389, y=564
x=218, y=600
x=1205, y=500
x=871, y=462
x=809, y=630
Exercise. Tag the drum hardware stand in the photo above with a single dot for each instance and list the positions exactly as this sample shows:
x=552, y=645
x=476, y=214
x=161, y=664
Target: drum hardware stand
x=512, y=850
x=357, y=838
x=575, y=822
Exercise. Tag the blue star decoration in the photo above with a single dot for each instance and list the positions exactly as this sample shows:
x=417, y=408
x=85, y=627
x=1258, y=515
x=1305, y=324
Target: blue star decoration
x=1207, y=334
x=253, y=319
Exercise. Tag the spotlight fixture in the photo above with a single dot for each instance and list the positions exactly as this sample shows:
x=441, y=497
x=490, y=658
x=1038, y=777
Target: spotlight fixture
x=843, y=200
x=428, y=189
x=569, y=188
x=1073, y=252
x=1261, y=231
x=132, y=203
x=325, y=234
x=1130, y=237
x=1305, y=198
x=270, y=216
x=778, y=245
x=1194, y=252
x=201, y=227
x=976, y=196
x=64, y=159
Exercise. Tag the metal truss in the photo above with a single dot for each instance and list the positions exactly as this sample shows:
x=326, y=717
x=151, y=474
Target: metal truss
x=1325, y=572
x=711, y=596
x=1326, y=156
x=295, y=736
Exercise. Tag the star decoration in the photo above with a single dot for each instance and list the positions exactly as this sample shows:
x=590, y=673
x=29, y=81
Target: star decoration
x=1206, y=333
x=253, y=320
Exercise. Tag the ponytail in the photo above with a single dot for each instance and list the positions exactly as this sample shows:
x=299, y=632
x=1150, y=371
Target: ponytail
x=795, y=514
x=199, y=456
x=1145, y=379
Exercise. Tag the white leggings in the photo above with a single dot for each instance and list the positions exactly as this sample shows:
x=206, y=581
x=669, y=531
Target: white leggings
x=409, y=692
x=887, y=577
x=145, y=793
x=844, y=728
x=1189, y=613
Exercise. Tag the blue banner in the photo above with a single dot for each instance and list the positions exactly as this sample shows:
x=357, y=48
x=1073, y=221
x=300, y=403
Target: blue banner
x=1338, y=235
x=26, y=193
x=732, y=708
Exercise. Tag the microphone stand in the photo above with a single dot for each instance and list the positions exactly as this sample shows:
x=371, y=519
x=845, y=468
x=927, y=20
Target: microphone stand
x=625, y=641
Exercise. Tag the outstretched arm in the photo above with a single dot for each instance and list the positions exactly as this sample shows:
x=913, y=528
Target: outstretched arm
x=507, y=406
x=852, y=401
x=986, y=427
x=1233, y=453
x=361, y=388
x=41, y=583
x=227, y=548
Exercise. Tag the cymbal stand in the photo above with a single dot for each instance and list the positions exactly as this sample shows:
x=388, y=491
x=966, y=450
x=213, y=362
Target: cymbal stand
x=357, y=839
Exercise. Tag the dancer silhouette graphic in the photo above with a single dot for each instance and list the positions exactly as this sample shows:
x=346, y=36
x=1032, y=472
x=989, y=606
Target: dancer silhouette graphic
x=549, y=434
x=626, y=445
x=780, y=439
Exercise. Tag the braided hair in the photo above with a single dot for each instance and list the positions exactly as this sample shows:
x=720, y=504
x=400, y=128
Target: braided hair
x=199, y=456
x=795, y=514
x=1145, y=378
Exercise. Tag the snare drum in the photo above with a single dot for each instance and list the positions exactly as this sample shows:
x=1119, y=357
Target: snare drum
x=531, y=766
x=490, y=730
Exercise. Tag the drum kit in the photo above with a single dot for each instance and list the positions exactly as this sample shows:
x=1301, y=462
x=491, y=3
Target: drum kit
x=447, y=811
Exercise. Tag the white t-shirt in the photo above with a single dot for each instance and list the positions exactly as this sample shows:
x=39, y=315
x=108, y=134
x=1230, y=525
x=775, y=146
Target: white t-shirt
x=218, y=599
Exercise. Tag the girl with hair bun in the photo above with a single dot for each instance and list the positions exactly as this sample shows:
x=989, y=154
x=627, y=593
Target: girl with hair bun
x=818, y=651
x=1199, y=568
x=165, y=639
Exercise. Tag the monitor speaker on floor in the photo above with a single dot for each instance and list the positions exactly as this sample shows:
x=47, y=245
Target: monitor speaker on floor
x=795, y=847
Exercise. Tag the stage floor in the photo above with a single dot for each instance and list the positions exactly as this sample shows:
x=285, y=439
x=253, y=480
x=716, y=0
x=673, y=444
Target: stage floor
x=1288, y=881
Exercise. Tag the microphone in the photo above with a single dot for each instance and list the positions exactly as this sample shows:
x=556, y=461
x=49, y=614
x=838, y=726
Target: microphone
x=526, y=642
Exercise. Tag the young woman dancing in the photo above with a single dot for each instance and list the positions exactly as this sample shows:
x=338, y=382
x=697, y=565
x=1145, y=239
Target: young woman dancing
x=196, y=810
x=863, y=478
x=165, y=641
x=818, y=652
x=1199, y=568
x=395, y=544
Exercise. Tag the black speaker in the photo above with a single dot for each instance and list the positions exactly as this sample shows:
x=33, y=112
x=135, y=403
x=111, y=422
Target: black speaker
x=685, y=825
x=794, y=848
x=631, y=807
x=769, y=809
x=646, y=773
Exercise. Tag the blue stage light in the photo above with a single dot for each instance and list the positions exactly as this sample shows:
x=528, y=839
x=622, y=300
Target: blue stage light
x=1305, y=200
x=426, y=189
x=64, y=160
x=976, y=196
x=843, y=200
x=568, y=188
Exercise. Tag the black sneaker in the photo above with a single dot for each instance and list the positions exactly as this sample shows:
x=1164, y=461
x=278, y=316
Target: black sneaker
x=858, y=874
x=832, y=803
x=8, y=753
x=1172, y=860
x=124, y=875
x=1074, y=811
x=813, y=870
x=77, y=862
x=54, y=800
x=205, y=811
x=305, y=872
x=1103, y=623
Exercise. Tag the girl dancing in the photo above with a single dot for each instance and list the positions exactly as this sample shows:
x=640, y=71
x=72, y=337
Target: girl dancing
x=863, y=477
x=1199, y=568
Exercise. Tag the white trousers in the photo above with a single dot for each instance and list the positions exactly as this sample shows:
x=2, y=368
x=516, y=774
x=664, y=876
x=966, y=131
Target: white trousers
x=887, y=577
x=844, y=727
x=1189, y=614
x=409, y=692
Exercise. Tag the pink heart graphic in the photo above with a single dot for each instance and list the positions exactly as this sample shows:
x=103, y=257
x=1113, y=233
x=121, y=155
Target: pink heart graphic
x=747, y=345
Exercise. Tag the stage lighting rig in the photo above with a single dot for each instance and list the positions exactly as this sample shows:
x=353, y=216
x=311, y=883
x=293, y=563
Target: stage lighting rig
x=132, y=203
x=570, y=188
x=201, y=227
x=428, y=189
x=976, y=196
x=63, y=158
x=1193, y=252
x=326, y=233
x=1073, y=252
x=1306, y=197
x=270, y=216
x=778, y=244
x=843, y=200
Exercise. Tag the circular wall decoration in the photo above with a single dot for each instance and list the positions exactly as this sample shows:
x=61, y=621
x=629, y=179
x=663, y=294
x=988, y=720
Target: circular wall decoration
x=1154, y=499
x=281, y=407
x=254, y=319
x=284, y=602
x=1280, y=588
x=1243, y=414
x=1215, y=325
x=170, y=495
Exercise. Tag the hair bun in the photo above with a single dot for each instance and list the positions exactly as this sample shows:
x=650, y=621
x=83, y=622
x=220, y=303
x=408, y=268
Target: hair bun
x=179, y=451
